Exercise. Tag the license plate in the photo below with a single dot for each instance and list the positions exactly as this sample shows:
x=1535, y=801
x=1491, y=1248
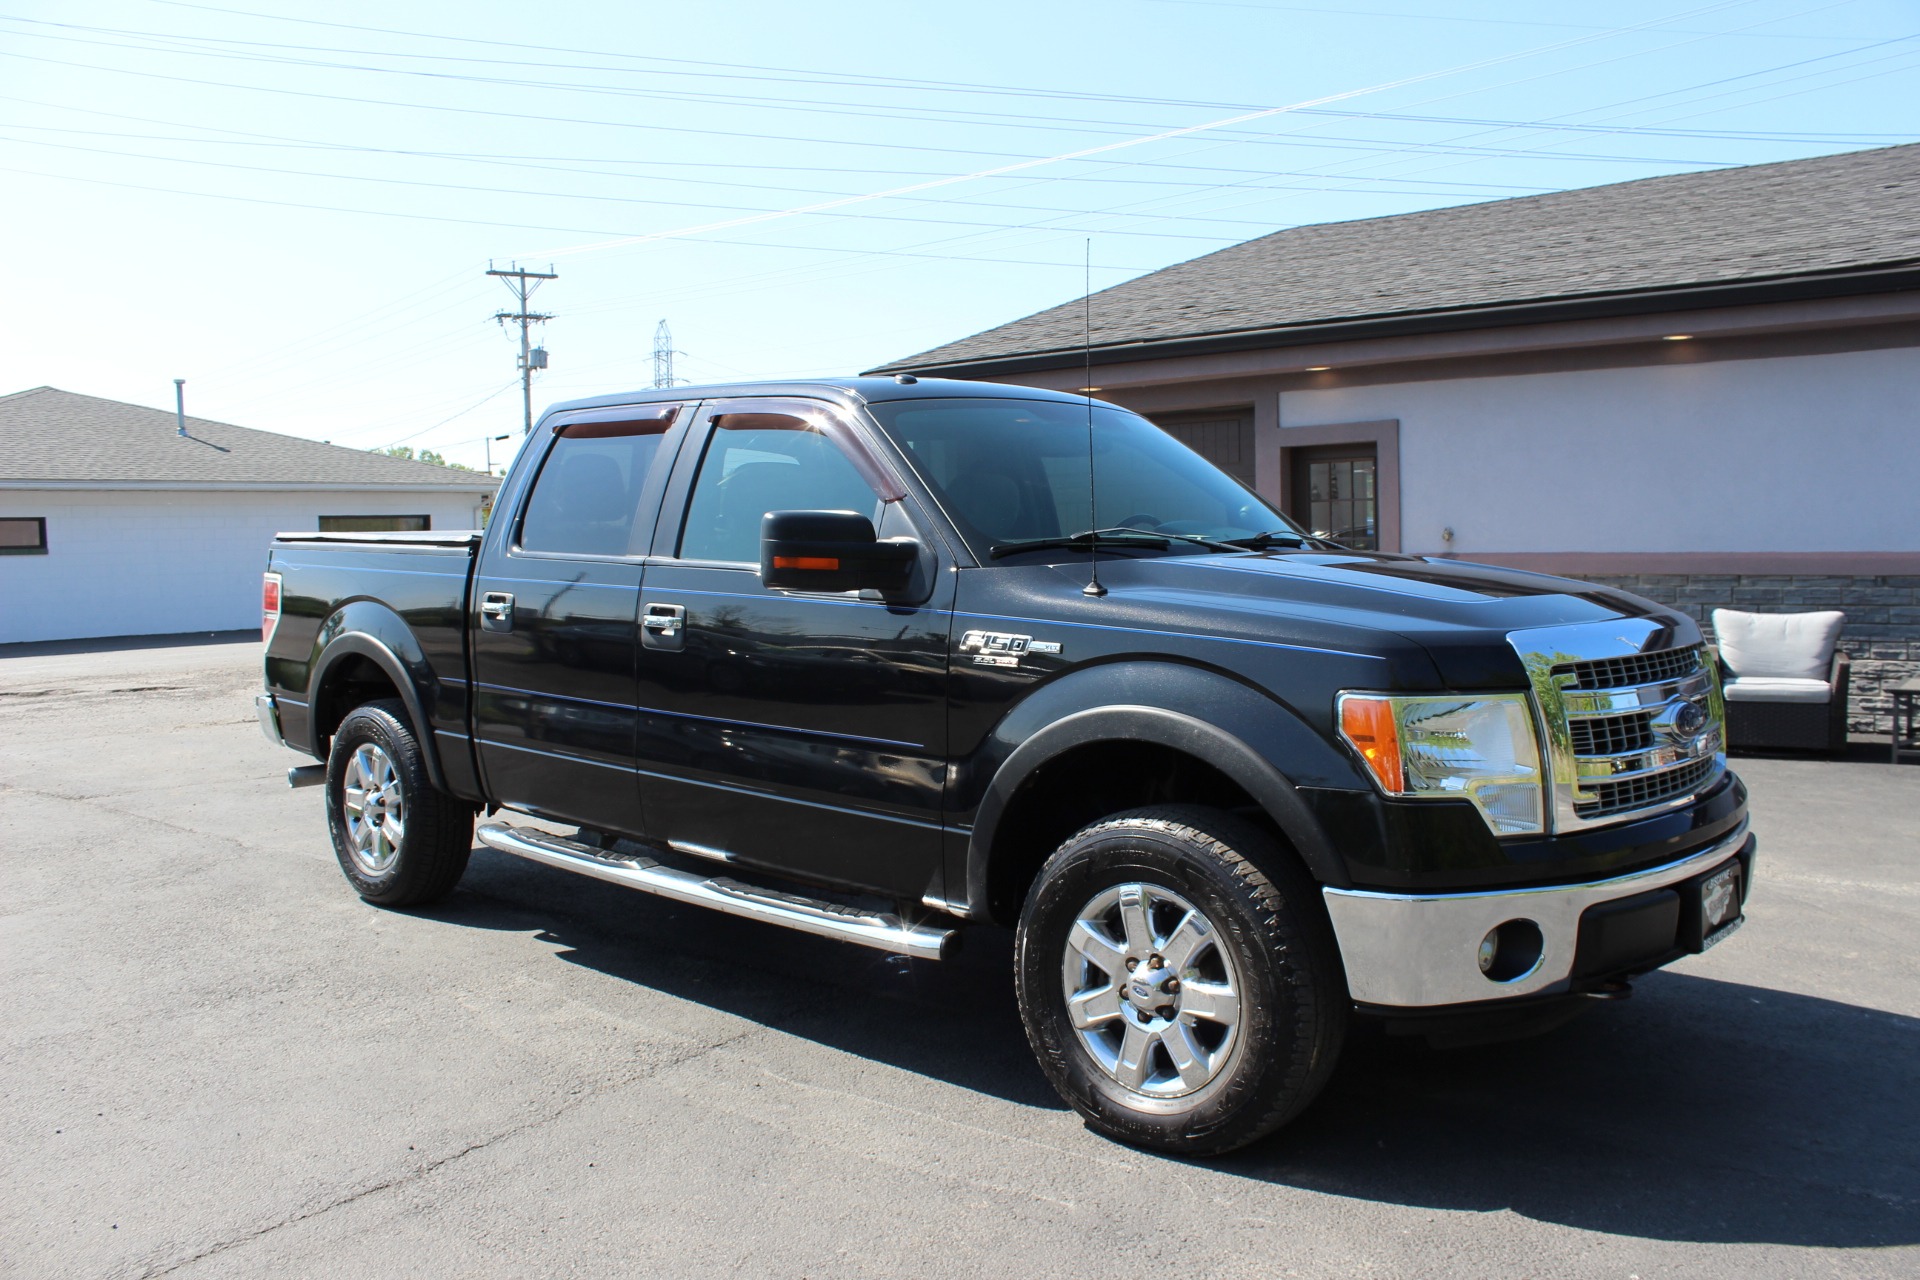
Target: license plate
x=1720, y=905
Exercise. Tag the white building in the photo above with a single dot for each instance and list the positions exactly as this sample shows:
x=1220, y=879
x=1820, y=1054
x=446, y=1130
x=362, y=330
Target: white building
x=114, y=523
x=1704, y=388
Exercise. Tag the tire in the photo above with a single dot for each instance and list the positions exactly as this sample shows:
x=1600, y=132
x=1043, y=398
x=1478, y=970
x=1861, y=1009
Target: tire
x=1249, y=998
x=407, y=842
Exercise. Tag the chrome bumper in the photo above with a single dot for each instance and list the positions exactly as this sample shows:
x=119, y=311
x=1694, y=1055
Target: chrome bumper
x=269, y=712
x=1420, y=951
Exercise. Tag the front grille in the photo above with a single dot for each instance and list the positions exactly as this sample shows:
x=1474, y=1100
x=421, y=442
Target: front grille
x=1641, y=668
x=1625, y=733
x=1649, y=789
x=1611, y=735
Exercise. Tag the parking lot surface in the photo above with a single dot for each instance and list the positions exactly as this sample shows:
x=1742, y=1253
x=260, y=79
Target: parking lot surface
x=217, y=1061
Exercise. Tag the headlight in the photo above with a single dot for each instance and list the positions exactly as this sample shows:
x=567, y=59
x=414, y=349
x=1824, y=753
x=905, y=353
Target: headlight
x=1480, y=748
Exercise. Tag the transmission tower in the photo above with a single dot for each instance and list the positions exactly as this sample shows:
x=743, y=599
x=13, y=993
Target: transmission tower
x=522, y=283
x=663, y=354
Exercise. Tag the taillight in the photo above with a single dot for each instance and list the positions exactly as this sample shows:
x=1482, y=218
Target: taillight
x=269, y=605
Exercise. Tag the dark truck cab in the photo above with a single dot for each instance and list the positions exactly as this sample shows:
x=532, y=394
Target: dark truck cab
x=837, y=656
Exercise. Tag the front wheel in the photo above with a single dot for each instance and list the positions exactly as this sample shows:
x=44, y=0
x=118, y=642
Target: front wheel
x=1179, y=980
x=400, y=840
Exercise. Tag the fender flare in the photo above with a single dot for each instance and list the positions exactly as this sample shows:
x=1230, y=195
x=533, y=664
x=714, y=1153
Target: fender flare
x=1270, y=789
x=358, y=643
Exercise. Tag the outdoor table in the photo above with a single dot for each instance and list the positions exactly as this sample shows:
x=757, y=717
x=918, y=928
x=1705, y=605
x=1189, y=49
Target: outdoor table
x=1906, y=718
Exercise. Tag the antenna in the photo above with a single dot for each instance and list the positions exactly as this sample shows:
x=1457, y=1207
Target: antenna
x=1093, y=587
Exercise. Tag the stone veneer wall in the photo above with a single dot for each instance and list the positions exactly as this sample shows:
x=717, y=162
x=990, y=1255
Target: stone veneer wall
x=1882, y=634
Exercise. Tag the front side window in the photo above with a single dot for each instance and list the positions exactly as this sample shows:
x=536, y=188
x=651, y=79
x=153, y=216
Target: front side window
x=1011, y=471
x=761, y=462
x=588, y=491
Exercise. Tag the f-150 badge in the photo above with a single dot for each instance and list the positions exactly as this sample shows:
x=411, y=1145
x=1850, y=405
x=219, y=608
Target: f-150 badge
x=1003, y=649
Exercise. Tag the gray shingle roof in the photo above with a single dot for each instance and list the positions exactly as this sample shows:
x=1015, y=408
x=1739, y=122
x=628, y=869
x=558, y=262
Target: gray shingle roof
x=51, y=435
x=1721, y=226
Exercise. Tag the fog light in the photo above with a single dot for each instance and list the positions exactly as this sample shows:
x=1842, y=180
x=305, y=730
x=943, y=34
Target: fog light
x=1511, y=951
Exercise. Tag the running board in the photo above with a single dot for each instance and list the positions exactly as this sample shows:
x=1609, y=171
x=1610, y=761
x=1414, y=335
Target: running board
x=808, y=915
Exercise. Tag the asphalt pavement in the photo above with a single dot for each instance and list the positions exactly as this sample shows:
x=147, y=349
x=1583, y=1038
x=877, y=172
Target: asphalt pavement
x=217, y=1061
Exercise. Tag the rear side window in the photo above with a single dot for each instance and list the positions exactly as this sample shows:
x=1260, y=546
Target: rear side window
x=588, y=491
x=761, y=462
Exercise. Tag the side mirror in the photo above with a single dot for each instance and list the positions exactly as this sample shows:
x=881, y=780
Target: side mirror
x=831, y=551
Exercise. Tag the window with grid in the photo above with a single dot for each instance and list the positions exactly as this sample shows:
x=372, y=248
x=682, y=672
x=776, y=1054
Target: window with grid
x=1335, y=494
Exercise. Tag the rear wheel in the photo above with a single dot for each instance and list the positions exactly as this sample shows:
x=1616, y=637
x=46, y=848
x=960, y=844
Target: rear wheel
x=399, y=839
x=1179, y=981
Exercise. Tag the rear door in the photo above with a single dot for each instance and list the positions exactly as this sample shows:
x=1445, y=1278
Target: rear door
x=799, y=731
x=555, y=600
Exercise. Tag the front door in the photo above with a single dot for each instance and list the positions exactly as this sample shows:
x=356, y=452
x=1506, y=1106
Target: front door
x=1334, y=494
x=555, y=636
x=799, y=731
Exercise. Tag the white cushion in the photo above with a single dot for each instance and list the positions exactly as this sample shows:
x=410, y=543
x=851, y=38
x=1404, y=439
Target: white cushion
x=1777, y=689
x=1794, y=646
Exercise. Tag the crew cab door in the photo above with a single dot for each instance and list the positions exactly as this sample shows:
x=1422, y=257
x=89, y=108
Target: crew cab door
x=555, y=600
x=799, y=731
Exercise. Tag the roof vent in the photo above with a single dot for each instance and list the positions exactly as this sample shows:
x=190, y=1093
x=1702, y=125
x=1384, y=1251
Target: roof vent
x=180, y=406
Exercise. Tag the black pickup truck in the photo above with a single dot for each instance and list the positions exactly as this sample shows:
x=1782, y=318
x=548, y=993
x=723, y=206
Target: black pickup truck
x=875, y=658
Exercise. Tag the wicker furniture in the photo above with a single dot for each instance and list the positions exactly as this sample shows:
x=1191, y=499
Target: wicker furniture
x=1785, y=679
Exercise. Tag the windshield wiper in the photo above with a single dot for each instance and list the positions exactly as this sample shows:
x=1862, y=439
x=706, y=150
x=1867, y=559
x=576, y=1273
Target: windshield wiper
x=1275, y=538
x=1218, y=544
x=1085, y=538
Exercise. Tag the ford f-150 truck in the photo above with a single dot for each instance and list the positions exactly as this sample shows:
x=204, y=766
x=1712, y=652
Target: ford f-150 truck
x=877, y=658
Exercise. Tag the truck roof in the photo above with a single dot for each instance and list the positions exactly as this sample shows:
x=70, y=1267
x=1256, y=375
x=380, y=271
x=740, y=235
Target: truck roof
x=847, y=390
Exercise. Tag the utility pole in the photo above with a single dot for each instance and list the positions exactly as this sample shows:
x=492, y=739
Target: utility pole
x=522, y=283
x=663, y=356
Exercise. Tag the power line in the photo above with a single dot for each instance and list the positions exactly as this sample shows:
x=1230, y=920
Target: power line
x=491, y=395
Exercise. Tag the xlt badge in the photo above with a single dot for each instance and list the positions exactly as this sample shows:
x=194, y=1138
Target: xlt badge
x=1002, y=648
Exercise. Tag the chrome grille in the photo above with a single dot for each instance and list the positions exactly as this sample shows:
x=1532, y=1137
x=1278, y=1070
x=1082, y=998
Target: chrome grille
x=1628, y=731
x=1642, y=792
x=1641, y=668
x=1611, y=735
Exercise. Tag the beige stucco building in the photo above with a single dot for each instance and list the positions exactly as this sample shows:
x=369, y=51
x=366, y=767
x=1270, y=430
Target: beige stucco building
x=1704, y=388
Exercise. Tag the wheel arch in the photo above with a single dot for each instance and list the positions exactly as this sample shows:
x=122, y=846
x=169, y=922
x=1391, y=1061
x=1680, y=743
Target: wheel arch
x=1000, y=865
x=361, y=650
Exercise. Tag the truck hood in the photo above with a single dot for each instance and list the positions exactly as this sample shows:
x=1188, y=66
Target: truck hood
x=1458, y=611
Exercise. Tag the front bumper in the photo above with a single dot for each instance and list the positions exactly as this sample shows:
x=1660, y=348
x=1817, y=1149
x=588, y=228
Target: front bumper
x=1423, y=950
x=268, y=710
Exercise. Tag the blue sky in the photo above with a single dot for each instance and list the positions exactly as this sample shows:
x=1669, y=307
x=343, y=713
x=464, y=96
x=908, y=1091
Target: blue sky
x=292, y=206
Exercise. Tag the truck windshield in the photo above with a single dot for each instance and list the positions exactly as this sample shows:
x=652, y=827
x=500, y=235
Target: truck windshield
x=1015, y=471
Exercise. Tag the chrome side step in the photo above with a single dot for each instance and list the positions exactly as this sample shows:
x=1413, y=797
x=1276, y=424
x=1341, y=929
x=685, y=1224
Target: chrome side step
x=808, y=915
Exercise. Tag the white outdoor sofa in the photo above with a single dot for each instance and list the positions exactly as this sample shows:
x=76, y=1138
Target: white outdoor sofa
x=1785, y=679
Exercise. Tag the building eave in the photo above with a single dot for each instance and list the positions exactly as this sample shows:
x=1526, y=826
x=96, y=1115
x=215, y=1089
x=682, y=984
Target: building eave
x=1879, y=278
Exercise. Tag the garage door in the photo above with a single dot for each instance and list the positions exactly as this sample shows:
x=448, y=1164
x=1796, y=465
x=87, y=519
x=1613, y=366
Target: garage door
x=1223, y=437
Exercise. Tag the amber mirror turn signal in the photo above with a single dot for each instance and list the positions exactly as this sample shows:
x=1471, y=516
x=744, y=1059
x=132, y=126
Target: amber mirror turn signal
x=831, y=551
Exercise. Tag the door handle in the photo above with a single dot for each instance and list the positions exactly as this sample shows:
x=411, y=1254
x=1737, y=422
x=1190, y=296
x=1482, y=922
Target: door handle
x=663, y=625
x=496, y=610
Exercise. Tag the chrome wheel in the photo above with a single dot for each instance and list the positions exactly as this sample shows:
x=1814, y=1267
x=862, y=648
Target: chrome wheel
x=1153, y=995
x=375, y=811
